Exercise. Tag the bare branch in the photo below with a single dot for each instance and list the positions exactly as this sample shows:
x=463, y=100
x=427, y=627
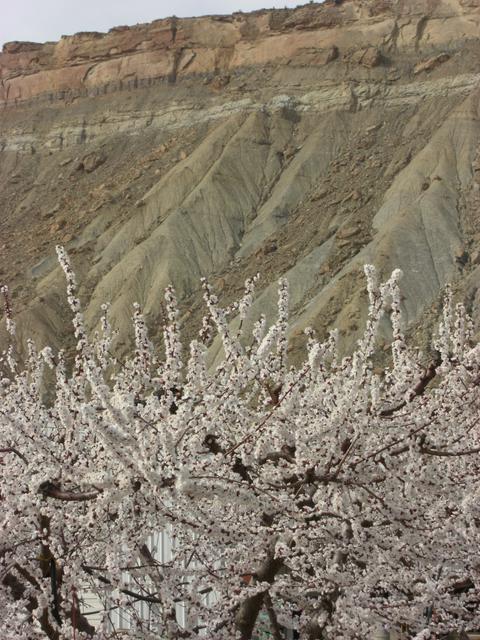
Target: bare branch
x=16, y=452
x=52, y=490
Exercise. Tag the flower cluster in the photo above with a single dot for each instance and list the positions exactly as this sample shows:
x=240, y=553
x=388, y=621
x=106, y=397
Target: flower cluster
x=328, y=498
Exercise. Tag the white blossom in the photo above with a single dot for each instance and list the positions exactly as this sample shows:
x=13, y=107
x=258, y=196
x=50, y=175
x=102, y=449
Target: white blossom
x=329, y=498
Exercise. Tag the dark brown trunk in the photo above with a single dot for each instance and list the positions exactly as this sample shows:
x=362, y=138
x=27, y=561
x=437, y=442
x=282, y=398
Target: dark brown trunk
x=247, y=614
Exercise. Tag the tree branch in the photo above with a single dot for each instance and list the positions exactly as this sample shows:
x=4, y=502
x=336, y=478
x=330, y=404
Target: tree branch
x=276, y=629
x=138, y=596
x=247, y=614
x=418, y=390
x=16, y=452
x=438, y=452
x=52, y=490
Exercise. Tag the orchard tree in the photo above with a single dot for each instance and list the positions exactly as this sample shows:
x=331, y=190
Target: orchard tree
x=328, y=498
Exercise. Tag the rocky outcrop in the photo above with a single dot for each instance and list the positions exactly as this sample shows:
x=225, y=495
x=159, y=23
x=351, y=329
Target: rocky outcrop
x=125, y=57
x=371, y=57
x=431, y=63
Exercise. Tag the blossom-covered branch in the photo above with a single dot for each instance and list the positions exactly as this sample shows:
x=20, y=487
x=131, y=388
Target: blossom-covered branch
x=325, y=499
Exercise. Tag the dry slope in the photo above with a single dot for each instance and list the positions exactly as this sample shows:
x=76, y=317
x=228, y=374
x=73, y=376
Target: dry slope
x=302, y=142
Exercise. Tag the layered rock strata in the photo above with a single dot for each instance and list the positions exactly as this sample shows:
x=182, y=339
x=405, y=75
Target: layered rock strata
x=126, y=57
x=296, y=142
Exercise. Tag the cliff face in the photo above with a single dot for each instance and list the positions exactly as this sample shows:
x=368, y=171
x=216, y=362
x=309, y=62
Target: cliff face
x=126, y=57
x=301, y=142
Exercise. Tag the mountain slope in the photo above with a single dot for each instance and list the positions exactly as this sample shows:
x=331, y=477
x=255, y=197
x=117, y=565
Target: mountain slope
x=297, y=142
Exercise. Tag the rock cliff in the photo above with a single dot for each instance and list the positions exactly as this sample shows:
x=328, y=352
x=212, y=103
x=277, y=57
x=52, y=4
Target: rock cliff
x=301, y=142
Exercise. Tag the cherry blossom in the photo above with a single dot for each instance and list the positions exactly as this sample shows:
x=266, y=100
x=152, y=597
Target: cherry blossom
x=328, y=498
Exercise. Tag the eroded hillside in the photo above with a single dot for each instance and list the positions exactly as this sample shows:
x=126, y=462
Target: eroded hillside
x=296, y=142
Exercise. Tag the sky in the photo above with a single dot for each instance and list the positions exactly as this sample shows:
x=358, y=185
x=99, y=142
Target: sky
x=43, y=20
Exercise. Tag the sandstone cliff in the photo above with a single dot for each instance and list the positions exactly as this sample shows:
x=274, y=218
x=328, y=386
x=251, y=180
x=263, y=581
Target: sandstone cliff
x=302, y=142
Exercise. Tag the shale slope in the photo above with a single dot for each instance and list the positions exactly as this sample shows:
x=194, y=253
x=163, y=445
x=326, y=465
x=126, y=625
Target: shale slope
x=298, y=142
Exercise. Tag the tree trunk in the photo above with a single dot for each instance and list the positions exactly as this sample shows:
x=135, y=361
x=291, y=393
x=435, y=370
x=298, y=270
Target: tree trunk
x=247, y=614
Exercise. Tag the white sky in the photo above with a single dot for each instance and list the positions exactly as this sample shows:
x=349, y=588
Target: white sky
x=42, y=20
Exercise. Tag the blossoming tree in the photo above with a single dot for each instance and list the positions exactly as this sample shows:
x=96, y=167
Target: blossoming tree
x=327, y=499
